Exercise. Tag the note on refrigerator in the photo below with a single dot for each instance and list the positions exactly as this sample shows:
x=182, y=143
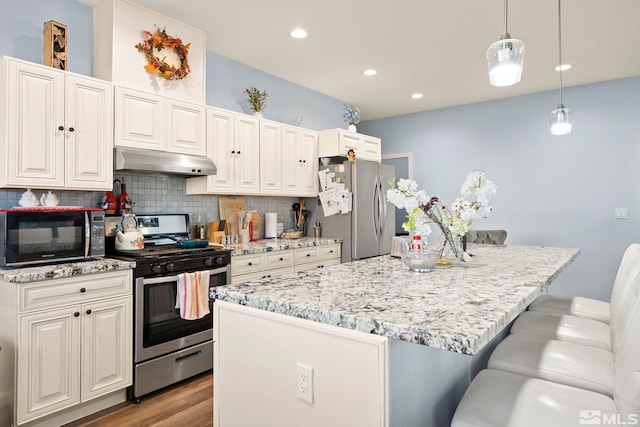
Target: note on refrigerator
x=330, y=205
x=345, y=203
x=326, y=179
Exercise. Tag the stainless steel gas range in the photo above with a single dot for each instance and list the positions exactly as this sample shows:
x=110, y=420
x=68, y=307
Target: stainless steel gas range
x=168, y=348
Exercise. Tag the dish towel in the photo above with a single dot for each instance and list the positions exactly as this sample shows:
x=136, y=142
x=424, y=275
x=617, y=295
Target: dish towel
x=192, y=296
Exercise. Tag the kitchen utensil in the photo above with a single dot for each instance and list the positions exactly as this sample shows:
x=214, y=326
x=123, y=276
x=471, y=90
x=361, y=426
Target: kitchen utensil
x=127, y=235
x=187, y=244
x=222, y=225
x=49, y=199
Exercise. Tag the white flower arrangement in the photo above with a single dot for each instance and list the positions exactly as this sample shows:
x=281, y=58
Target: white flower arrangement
x=453, y=221
x=351, y=115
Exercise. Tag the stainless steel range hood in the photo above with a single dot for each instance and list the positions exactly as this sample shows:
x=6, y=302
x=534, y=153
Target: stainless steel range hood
x=135, y=159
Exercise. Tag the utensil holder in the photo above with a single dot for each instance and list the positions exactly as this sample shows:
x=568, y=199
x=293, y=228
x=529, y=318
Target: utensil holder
x=244, y=235
x=317, y=231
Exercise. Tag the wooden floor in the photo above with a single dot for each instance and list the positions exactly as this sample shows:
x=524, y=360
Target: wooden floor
x=189, y=404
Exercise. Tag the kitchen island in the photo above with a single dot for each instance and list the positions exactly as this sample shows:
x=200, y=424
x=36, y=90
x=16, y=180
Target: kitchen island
x=387, y=346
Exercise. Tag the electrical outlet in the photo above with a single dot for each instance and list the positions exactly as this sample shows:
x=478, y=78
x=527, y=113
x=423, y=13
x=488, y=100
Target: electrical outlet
x=304, y=382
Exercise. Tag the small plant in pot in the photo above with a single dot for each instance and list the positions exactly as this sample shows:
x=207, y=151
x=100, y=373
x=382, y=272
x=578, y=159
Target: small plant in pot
x=257, y=100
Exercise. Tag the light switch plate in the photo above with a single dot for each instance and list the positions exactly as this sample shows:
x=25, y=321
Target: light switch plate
x=621, y=213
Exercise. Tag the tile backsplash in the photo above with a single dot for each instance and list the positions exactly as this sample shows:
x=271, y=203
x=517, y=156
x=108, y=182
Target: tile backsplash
x=160, y=193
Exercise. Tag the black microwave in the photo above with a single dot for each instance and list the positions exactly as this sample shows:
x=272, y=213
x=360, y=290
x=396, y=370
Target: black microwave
x=44, y=235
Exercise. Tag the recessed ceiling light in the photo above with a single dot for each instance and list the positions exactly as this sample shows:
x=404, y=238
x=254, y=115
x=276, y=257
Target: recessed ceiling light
x=299, y=33
x=563, y=67
x=416, y=95
x=370, y=72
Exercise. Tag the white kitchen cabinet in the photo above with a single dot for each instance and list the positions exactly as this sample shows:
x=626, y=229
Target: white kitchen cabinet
x=57, y=128
x=317, y=257
x=233, y=143
x=271, y=155
x=186, y=128
x=139, y=119
x=300, y=162
x=337, y=142
x=274, y=263
x=154, y=122
x=72, y=342
x=48, y=362
x=261, y=265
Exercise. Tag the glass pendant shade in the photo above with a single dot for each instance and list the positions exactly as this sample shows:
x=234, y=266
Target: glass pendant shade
x=560, y=120
x=505, y=59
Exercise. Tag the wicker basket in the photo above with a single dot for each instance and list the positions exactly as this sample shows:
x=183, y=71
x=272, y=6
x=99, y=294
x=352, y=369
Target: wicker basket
x=291, y=235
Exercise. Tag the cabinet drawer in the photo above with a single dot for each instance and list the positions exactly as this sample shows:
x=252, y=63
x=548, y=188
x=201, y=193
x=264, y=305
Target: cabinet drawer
x=306, y=255
x=278, y=259
x=244, y=264
x=317, y=264
x=70, y=290
x=328, y=252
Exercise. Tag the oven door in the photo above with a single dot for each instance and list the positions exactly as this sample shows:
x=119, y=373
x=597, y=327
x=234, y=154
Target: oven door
x=159, y=329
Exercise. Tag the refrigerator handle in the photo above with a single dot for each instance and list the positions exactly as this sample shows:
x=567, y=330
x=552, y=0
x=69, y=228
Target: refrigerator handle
x=376, y=209
x=383, y=207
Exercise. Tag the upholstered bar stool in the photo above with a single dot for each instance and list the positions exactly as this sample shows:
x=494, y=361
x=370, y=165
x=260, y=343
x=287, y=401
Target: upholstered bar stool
x=586, y=307
x=573, y=364
x=497, y=398
x=503, y=399
x=585, y=331
x=486, y=237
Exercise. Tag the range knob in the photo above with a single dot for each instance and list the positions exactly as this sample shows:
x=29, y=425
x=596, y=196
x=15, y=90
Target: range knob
x=208, y=261
x=219, y=260
x=168, y=266
x=156, y=268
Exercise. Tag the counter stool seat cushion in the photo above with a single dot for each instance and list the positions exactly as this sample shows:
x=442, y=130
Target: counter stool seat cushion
x=575, y=306
x=504, y=399
x=578, y=330
x=562, y=362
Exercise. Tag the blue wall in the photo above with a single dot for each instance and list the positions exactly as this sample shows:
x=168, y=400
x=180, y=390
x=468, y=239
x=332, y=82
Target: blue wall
x=552, y=190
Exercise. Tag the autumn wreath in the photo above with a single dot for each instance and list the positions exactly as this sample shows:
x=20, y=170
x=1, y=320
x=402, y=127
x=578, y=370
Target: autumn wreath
x=160, y=40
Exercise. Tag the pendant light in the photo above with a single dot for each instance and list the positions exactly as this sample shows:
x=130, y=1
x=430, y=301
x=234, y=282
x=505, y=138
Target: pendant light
x=505, y=57
x=560, y=118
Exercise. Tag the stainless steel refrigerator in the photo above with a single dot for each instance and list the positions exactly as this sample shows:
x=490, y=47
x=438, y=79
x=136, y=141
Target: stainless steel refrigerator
x=368, y=229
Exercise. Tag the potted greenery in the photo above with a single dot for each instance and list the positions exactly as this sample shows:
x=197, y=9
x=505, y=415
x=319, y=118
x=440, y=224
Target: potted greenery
x=257, y=100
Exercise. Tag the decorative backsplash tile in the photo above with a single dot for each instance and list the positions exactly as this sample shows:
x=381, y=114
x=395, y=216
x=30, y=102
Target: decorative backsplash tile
x=159, y=193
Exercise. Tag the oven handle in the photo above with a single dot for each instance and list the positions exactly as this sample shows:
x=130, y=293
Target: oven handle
x=155, y=280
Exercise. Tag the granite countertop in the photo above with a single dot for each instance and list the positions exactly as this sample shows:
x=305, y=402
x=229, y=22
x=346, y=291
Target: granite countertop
x=459, y=309
x=57, y=271
x=268, y=245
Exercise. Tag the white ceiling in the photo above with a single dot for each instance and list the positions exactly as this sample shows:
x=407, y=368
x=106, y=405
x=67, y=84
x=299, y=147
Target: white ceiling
x=434, y=47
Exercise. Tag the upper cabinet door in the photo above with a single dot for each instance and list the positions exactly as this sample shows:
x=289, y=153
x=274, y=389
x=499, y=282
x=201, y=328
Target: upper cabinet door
x=309, y=154
x=89, y=133
x=139, y=120
x=220, y=135
x=186, y=128
x=247, y=155
x=271, y=154
x=35, y=128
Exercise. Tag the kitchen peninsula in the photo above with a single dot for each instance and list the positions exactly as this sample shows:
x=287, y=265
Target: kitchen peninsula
x=374, y=344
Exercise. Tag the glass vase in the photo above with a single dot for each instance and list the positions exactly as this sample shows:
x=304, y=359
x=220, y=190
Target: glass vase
x=452, y=250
